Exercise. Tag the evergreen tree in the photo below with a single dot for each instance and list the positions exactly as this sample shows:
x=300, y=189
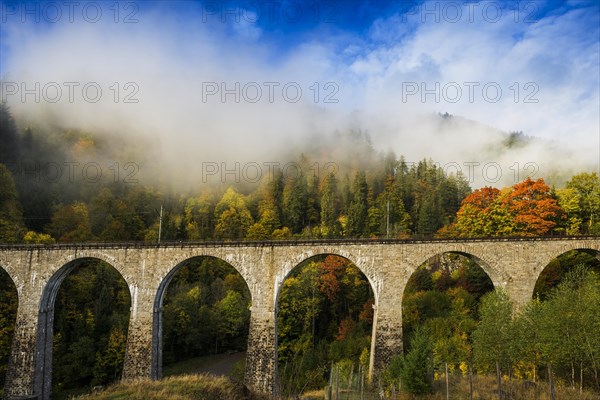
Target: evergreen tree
x=9, y=137
x=11, y=216
x=329, y=210
x=416, y=370
x=358, y=210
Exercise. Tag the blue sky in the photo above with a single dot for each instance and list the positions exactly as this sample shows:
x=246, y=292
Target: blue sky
x=380, y=66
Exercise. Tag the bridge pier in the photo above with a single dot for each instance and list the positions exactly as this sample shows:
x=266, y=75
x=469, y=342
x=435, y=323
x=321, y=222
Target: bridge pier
x=386, y=339
x=138, y=351
x=20, y=376
x=260, y=358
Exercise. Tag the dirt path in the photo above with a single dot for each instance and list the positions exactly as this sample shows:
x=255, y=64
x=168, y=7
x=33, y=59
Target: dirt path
x=221, y=364
x=216, y=364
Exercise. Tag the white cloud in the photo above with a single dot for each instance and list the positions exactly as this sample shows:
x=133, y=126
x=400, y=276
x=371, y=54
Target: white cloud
x=172, y=63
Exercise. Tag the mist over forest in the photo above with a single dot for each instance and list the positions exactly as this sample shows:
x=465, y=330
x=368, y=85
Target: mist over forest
x=212, y=122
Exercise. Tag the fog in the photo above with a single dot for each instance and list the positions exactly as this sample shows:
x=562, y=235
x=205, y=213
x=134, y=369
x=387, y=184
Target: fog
x=190, y=89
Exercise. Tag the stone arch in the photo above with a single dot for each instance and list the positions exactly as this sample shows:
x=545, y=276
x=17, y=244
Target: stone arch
x=14, y=280
x=497, y=275
x=548, y=257
x=99, y=255
x=157, y=317
x=555, y=252
x=305, y=256
x=45, y=331
x=13, y=274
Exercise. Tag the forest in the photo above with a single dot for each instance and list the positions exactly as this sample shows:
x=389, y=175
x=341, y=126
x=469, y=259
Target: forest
x=450, y=307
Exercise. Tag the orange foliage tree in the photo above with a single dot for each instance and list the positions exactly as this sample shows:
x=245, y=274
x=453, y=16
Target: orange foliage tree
x=527, y=208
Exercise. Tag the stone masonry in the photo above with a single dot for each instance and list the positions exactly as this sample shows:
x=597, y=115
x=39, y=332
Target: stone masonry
x=37, y=272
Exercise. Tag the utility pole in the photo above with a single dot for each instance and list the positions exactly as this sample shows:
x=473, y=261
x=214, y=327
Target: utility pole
x=160, y=223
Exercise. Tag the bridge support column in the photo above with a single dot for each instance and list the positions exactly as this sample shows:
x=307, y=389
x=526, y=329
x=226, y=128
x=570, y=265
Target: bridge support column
x=386, y=341
x=260, y=359
x=520, y=279
x=138, y=353
x=20, y=376
x=520, y=294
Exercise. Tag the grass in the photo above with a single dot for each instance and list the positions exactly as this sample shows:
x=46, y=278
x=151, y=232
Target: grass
x=209, y=387
x=485, y=387
x=183, y=387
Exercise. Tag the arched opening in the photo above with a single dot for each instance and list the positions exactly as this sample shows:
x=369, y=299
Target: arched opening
x=82, y=329
x=324, y=318
x=441, y=302
x=554, y=273
x=201, y=320
x=8, y=315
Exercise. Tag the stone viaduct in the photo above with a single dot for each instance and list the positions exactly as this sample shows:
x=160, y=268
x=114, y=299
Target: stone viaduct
x=38, y=270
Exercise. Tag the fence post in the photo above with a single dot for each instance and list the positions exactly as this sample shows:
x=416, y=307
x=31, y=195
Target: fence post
x=550, y=382
x=499, y=375
x=447, y=383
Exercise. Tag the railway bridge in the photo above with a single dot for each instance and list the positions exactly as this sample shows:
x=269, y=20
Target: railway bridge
x=38, y=270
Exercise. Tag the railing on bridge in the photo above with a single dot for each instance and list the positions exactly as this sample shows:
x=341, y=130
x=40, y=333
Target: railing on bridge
x=286, y=242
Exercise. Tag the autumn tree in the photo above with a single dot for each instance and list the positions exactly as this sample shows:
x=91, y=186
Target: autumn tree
x=232, y=216
x=199, y=216
x=527, y=209
x=535, y=211
x=71, y=223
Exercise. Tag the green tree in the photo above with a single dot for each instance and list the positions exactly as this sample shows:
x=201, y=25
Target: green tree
x=234, y=316
x=416, y=372
x=295, y=200
x=527, y=345
x=569, y=200
x=492, y=338
x=358, y=210
x=570, y=322
x=329, y=206
x=587, y=186
x=109, y=361
x=9, y=137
